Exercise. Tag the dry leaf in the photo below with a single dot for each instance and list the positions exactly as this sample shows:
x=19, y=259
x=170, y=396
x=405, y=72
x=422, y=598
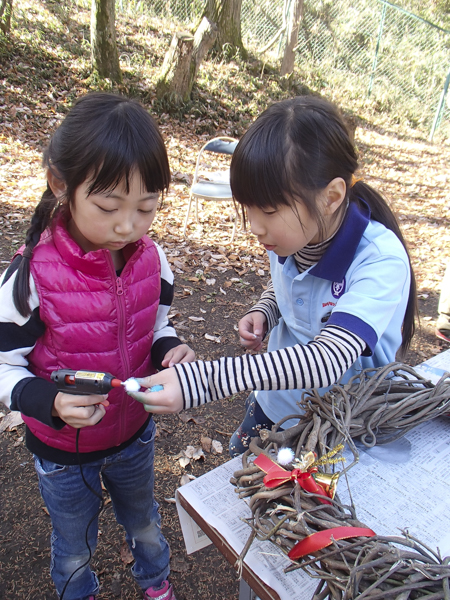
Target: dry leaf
x=125, y=554
x=11, y=421
x=178, y=176
x=210, y=281
x=197, y=318
x=170, y=500
x=198, y=454
x=190, y=451
x=185, y=416
x=212, y=338
x=198, y=420
x=184, y=479
x=177, y=565
x=184, y=462
x=206, y=443
x=216, y=447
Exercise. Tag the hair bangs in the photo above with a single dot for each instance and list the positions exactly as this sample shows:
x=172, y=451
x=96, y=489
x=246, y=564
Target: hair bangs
x=258, y=173
x=137, y=147
x=253, y=187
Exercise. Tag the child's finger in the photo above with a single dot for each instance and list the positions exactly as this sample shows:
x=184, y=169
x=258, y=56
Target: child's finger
x=151, y=408
x=144, y=396
x=155, y=409
x=248, y=335
x=159, y=399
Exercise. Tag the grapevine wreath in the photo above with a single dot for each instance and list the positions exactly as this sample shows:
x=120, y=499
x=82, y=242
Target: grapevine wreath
x=289, y=479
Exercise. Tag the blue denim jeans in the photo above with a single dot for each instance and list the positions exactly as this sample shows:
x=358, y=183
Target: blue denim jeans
x=129, y=478
x=254, y=420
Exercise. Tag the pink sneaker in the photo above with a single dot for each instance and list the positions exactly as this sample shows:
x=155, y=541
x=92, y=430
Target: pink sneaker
x=164, y=592
x=442, y=334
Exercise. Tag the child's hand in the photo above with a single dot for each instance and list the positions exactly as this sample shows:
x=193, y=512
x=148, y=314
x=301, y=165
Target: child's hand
x=179, y=354
x=80, y=411
x=168, y=400
x=252, y=329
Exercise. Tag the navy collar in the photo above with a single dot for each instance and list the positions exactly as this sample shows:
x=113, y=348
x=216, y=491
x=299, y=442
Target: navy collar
x=338, y=257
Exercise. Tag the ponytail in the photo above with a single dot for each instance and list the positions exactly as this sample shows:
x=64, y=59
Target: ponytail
x=381, y=212
x=41, y=219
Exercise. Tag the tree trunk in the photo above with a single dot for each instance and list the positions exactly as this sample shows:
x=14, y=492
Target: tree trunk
x=204, y=39
x=295, y=14
x=5, y=15
x=182, y=62
x=226, y=14
x=104, y=55
x=175, y=71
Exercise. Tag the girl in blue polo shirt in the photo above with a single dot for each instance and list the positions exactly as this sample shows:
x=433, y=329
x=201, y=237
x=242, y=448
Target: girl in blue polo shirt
x=342, y=294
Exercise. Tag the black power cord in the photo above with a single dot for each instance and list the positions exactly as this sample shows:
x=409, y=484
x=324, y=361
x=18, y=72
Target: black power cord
x=102, y=505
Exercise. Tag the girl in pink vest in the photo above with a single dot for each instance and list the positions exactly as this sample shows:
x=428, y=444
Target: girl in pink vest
x=90, y=291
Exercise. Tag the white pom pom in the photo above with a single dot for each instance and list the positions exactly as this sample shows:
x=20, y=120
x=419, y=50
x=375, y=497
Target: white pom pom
x=285, y=456
x=132, y=385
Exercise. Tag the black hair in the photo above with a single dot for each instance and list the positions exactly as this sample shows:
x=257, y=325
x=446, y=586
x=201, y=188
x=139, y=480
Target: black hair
x=293, y=150
x=104, y=138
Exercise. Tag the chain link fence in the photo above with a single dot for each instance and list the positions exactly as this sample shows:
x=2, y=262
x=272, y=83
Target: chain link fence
x=373, y=53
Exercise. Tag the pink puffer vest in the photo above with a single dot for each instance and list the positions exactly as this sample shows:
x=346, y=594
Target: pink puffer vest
x=95, y=321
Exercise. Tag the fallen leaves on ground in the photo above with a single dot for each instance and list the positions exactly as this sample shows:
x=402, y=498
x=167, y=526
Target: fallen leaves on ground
x=11, y=421
x=125, y=554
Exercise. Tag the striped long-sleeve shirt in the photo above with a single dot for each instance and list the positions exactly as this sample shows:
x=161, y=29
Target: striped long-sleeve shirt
x=319, y=363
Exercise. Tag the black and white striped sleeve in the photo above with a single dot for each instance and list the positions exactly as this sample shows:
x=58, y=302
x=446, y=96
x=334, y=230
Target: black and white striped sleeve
x=319, y=363
x=20, y=389
x=164, y=334
x=267, y=304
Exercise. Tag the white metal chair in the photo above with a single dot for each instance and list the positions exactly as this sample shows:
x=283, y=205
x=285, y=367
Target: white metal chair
x=212, y=181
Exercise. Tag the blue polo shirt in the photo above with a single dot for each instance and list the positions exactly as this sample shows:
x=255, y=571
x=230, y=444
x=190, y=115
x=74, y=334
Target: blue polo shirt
x=361, y=284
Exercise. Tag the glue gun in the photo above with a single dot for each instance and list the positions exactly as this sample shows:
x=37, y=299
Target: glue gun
x=84, y=383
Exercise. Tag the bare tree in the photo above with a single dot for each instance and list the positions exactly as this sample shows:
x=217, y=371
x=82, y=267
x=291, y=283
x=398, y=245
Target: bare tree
x=182, y=61
x=293, y=21
x=104, y=55
x=226, y=14
x=5, y=15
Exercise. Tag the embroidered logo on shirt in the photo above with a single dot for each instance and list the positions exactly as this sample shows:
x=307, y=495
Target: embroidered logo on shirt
x=338, y=288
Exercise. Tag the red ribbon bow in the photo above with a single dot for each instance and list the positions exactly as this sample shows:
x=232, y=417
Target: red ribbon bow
x=322, y=539
x=276, y=476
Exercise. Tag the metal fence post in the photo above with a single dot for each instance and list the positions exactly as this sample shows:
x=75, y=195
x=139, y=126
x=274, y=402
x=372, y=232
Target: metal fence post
x=438, y=115
x=375, y=58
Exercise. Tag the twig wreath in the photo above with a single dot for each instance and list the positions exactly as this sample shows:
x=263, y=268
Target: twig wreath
x=291, y=486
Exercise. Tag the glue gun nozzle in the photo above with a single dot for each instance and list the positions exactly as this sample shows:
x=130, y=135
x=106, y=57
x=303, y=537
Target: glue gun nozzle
x=115, y=383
